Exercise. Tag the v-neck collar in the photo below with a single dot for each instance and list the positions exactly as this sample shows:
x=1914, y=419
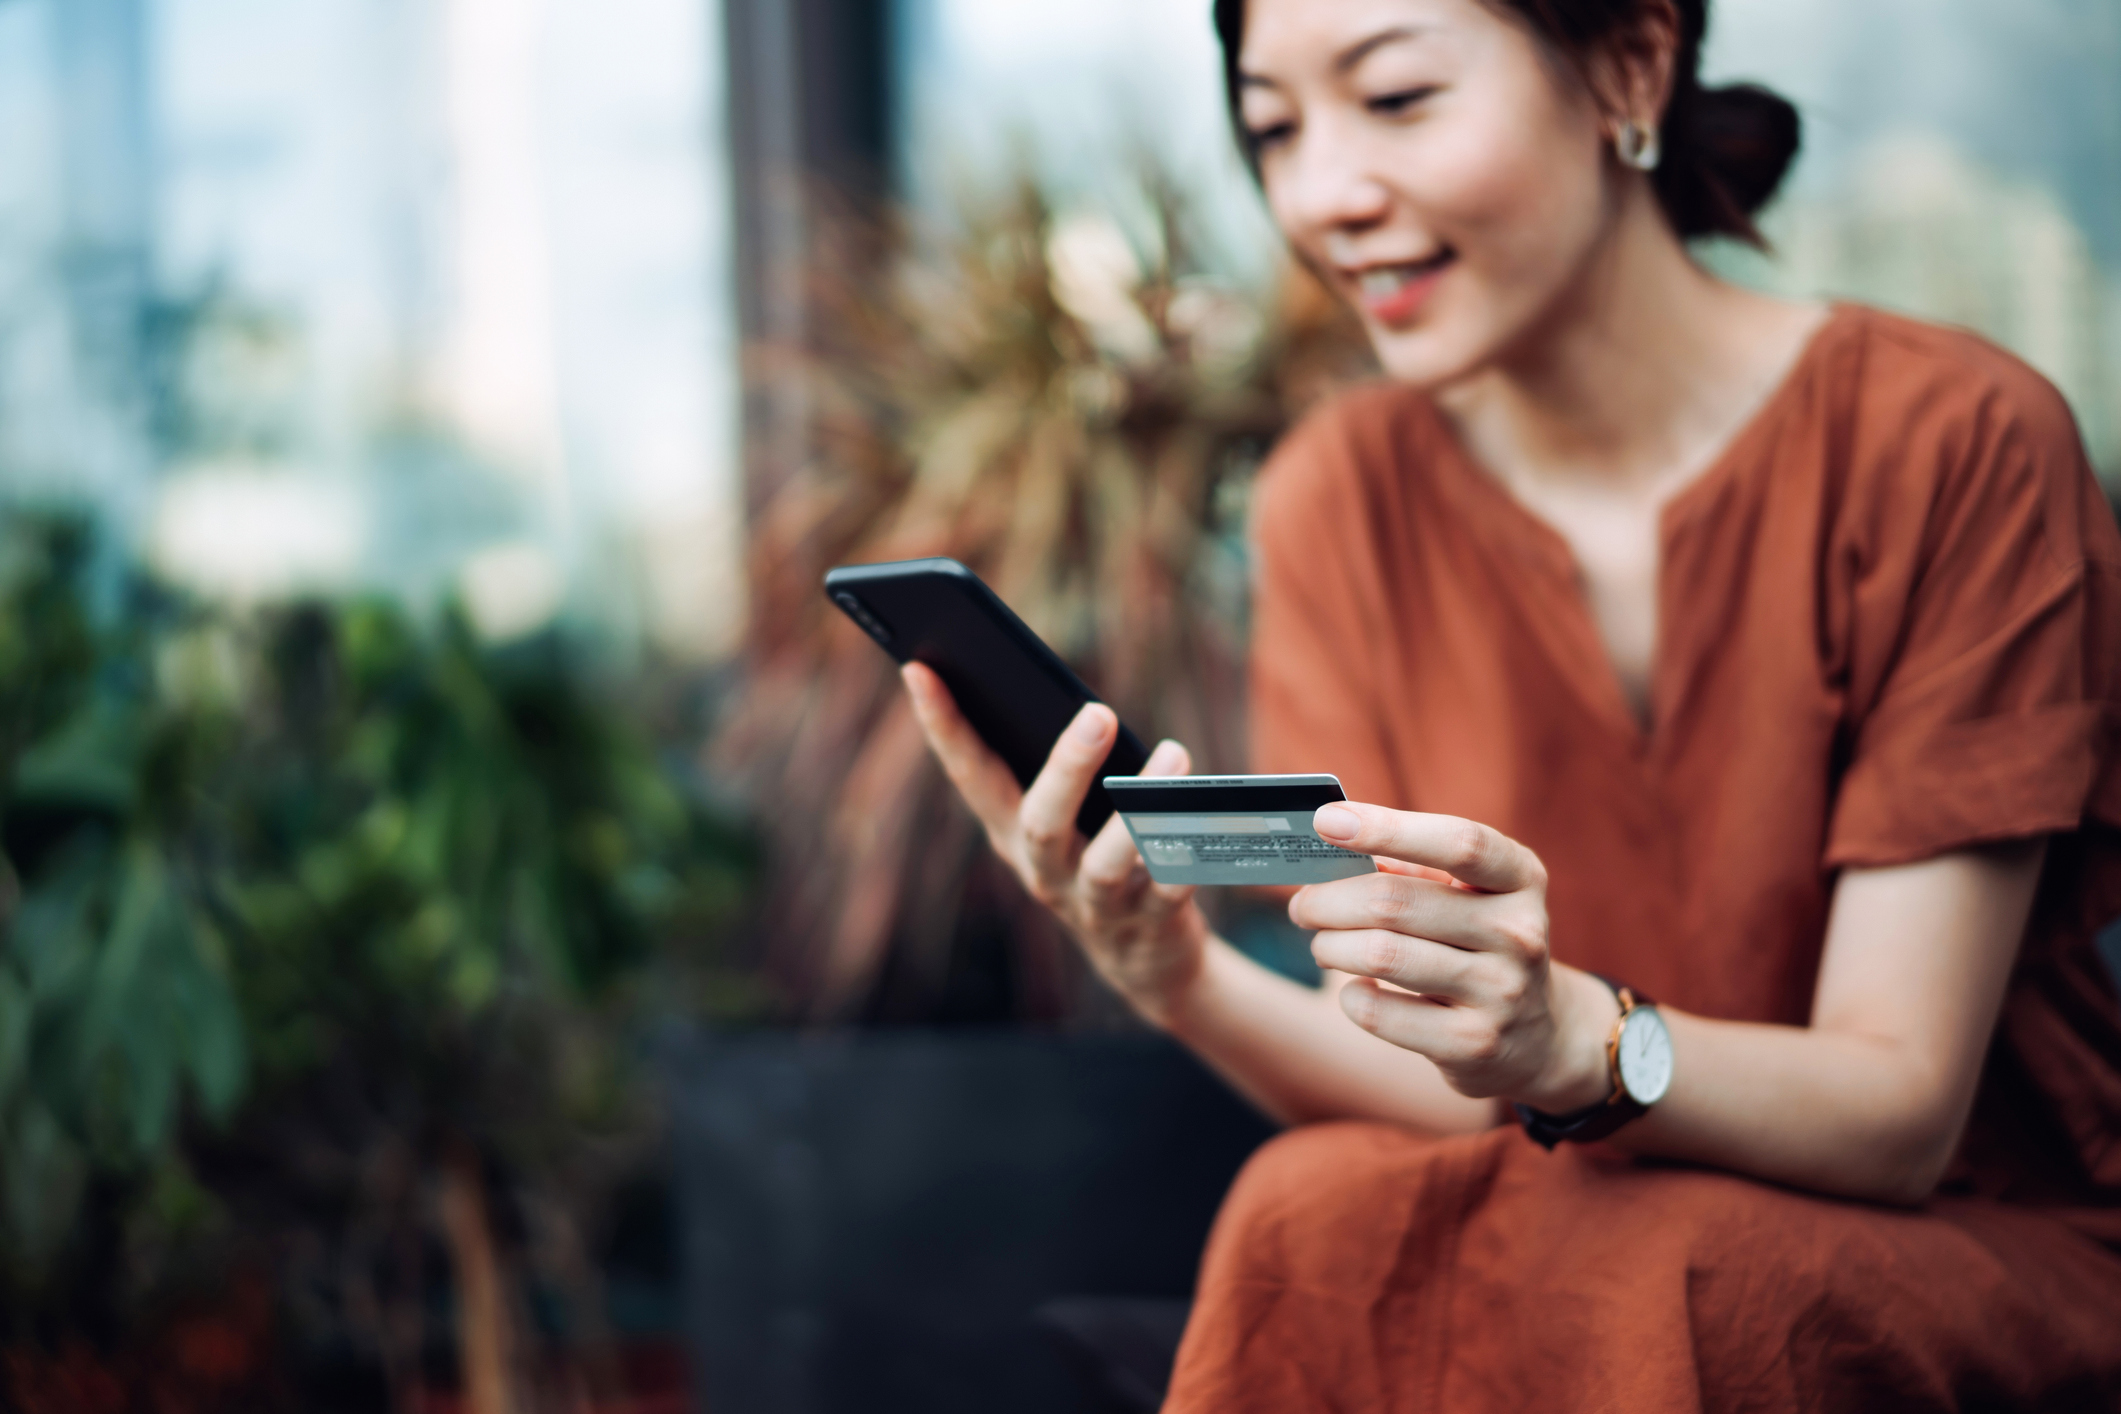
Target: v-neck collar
x=1571, y=636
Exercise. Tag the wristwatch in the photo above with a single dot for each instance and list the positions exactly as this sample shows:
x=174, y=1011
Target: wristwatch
x=1638, y=1057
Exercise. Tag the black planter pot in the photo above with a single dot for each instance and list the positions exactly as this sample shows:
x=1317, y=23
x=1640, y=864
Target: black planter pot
x=874, y=1221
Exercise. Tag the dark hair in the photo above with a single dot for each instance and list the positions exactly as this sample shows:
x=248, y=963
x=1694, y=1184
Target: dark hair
x=1726, y=150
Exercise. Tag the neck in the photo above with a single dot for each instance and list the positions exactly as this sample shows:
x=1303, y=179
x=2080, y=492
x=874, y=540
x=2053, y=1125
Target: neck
x=1636, y=376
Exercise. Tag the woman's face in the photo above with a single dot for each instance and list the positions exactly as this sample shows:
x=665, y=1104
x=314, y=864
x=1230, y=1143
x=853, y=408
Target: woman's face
x=1444, y=174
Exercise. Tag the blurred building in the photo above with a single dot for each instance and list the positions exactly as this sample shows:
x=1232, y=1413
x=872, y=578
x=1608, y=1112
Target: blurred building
x=448, y=294
x=1962, y=162
x=359, y=291
x=76, y=234
x=1921, y=226
x=1080, y=94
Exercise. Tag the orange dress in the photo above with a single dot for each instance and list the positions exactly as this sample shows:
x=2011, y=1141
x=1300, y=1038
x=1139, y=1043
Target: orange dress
x=1890, y=627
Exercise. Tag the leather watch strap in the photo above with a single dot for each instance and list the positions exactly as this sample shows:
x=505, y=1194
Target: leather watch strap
x=1593, y=1122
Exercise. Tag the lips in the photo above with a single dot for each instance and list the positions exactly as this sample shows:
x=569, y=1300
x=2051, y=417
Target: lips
x=1392, y=294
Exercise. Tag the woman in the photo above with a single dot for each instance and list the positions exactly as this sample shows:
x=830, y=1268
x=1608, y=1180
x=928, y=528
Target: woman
x=1758, y=657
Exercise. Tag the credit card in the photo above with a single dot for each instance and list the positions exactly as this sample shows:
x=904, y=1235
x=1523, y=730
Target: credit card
x=1233, y=829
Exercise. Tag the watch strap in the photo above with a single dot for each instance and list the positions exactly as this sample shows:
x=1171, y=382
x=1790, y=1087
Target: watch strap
x=1585, y=1126
x=1593, y=1122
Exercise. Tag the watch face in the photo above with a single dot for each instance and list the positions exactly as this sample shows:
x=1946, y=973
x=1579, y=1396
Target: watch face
x=1645, y=1056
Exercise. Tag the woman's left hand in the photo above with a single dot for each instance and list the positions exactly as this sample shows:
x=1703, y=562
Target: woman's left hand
x=1458, y=919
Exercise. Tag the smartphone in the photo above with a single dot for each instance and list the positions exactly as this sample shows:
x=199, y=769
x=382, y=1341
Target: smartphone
x=1234, y=829
x=1014, y=690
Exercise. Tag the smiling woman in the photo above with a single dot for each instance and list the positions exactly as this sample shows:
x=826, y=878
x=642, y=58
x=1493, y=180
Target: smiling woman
x=1725, y=690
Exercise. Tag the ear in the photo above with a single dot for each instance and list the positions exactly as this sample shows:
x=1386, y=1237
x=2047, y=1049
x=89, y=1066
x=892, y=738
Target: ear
x=1631, y=74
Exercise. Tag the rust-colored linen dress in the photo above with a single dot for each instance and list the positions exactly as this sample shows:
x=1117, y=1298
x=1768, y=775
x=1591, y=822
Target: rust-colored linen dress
x=1890, y=627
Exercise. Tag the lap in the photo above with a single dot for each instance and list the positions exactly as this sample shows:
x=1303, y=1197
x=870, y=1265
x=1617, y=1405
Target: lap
x=1373, y=1268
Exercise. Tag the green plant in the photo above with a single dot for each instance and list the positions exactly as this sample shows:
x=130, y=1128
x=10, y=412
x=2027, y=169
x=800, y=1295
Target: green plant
x=314, y=913
x=113, y=994
x=455, y=873
x=1074, y=412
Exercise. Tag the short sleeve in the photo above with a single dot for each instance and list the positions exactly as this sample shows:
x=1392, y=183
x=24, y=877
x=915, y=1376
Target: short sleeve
x=1317, y=595
x=1984, y=624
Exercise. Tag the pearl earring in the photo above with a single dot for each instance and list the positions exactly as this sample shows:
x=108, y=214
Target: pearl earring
x=1640, y=147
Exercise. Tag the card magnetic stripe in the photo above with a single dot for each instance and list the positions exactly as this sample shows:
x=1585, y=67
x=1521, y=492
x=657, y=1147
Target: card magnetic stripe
x=1153, y=798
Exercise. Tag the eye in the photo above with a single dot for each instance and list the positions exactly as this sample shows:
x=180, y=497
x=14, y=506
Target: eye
x=1271, y=135
x=1393, y=105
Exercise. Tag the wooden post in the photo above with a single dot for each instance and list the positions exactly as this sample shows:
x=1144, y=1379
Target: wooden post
x=485, y=1328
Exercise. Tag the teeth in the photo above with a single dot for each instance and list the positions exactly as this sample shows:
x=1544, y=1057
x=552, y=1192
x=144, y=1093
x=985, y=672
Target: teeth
x=1383, y=283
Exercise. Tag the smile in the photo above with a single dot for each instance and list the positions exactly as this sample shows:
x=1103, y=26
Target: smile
x=1392, y=294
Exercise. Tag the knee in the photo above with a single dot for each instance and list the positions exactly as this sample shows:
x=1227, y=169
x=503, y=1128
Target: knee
x=1314, y=1165
x=1317, y=1198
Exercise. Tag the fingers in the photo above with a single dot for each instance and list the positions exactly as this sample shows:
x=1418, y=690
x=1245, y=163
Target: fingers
x=1453, y=1037
x=1435, y=970
x=981, y=777
x=1112, y=870
x=1046, y=818
x=1419, y=908
x=1469, y=852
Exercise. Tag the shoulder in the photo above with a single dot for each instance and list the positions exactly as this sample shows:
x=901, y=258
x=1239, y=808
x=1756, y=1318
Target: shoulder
x=1937, y=377
x=1943, y=429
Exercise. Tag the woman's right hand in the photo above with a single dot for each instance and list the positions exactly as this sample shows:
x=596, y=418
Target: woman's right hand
x=1145, y=938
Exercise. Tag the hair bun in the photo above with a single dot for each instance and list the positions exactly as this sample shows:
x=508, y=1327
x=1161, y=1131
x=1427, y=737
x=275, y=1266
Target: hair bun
x=1727, y=151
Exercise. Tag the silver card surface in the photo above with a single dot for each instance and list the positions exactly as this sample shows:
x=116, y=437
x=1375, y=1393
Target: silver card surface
x=1233, y=829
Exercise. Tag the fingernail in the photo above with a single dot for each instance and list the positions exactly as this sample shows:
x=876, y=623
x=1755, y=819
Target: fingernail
x=1336, y=822
x=1167, y=753
x=1089, y=727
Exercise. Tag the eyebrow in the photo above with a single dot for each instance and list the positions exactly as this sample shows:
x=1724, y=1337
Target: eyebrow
x=1351, y=56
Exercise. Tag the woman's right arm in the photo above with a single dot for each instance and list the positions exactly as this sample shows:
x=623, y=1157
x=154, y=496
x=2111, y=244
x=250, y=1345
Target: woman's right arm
x=1287, y=1047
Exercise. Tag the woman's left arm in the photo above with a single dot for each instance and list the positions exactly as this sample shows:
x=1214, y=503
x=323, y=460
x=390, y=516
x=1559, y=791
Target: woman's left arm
x=1868, y=1101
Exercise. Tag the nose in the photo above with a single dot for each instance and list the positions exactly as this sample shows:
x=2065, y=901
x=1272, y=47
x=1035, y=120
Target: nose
x=1325, y=187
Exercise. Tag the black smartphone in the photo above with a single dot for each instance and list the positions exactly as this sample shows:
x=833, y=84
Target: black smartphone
x=1014, y=690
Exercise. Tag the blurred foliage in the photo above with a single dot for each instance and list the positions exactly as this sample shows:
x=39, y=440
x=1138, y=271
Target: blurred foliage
x=286, y=893
x=113, y=996
x=1073, y=405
